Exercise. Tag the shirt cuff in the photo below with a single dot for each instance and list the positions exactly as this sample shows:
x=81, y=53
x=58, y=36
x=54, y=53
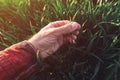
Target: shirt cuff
x=27, y=46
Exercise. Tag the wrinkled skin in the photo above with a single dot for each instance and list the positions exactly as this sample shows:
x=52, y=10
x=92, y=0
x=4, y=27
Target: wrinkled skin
x=53, y=35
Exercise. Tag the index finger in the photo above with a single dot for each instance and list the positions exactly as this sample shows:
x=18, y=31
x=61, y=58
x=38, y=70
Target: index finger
x=58, y=23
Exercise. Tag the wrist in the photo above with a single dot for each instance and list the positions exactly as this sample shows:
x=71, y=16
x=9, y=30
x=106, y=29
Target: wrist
x=37, y=47
x=27, y=47
x=32, y=46
x=33, y=43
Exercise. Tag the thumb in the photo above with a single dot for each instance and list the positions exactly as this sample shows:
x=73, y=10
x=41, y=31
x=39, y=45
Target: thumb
x=68, y=28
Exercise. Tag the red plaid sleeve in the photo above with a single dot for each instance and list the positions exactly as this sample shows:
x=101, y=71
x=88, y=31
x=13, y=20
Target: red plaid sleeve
x=15, y=59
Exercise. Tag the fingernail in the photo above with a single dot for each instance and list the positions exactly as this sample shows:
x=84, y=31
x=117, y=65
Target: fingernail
x=74, y=26
x=77, y=32
x=73, y=42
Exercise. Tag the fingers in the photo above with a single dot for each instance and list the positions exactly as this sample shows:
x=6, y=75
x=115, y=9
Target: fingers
x=72, y=27
x=69, y=38
x=72, y=38
x=58, y=23
x=76, y=32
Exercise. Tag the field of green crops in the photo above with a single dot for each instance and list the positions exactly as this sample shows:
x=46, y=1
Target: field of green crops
x=96, y=54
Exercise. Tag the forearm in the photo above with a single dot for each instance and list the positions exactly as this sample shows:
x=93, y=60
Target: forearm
x=15, y=60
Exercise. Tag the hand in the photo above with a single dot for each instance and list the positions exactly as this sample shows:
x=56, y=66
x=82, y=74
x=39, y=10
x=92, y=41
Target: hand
x=55, y=34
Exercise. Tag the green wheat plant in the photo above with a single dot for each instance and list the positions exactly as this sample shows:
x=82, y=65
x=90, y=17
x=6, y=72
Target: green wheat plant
x=96, y=53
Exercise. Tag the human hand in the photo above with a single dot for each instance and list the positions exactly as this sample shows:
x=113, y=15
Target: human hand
x=55, y=34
